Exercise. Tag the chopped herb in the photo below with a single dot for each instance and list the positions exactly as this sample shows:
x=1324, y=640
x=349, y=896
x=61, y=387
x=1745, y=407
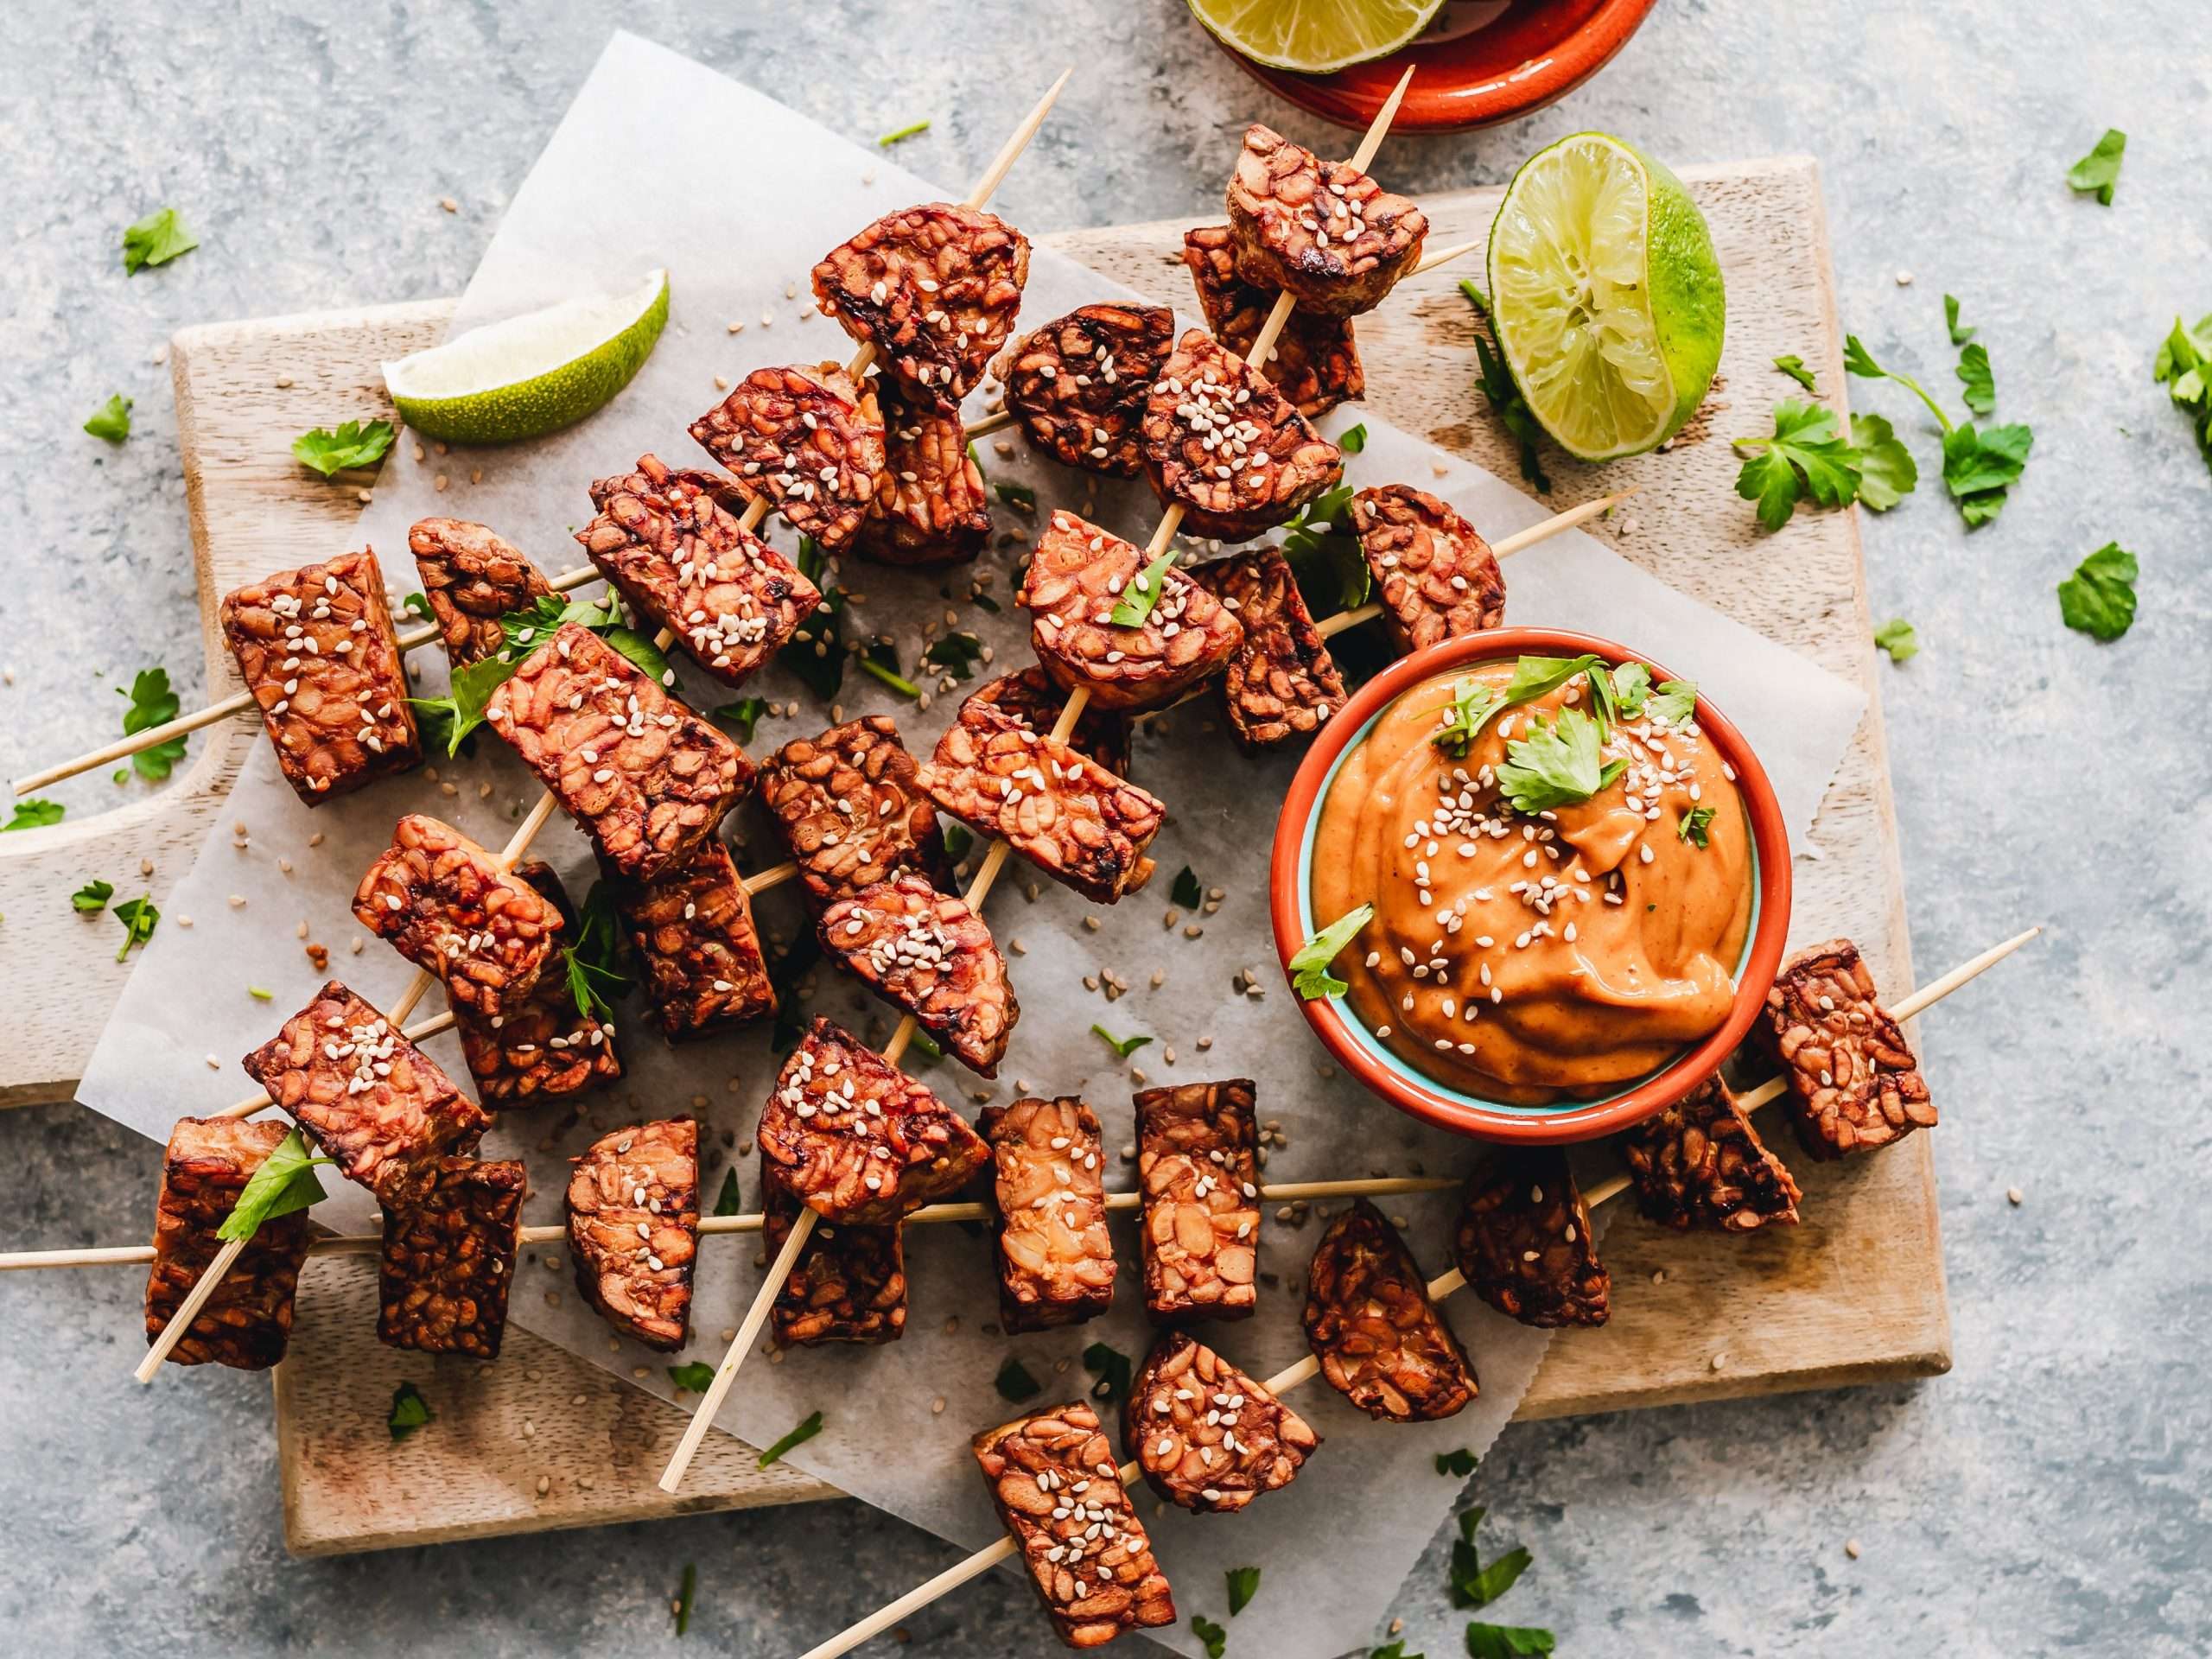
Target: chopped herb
x=784, y=973
x=686, y=1589
x=2183, y=365
x=891, y=139
x=1676, y=700
x=1014, y=1381
x=1695, y=827
x=34, y=814
x=1794, y=366
x=1187, y=892
x=409, y=1411
x=2098, y=170
x=1243, y=1584
x=1123, y=1046
x=1215, y=1639
x=1979, y=467
x=927, y=1047
x=1113, y=1369
x=138, y=917
x=741, y=716
x=1896, y=636
x=958, y=841
x=1806, y=457
x=1016, y=495
x=1555, y=764
x=1959, y=336
x=957, y=654
x=284, y=1182
x=1980, y=394
x=594, y=962
x=694, y=1377
x=1887, y=472
x=1534, y=675
x=1134, y=608
x=155, y=240
x=1353, y=439
x=1325, y=556
x=881, y=659
x=451, y=719
x=728, y=1201
x=1472, y=703
x=642, y=653
x=815, y=653
x=354, y=444
x=1631, y=685
x=91, y=898
x=1309, y=975
x=1504, y=394
x=529, y=627
x=987, y=602
x=1461, y=1463
x=800, y=1436
x=1394, y=1650
x=152, y=704
x=1507, y=1641
x=418, y=604
x=111, y=420
x=1473, y=1584
x=260, y=992
x=2099, y=598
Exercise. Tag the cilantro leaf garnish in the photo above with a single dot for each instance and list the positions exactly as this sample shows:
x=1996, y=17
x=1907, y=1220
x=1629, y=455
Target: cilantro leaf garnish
x=1123, y=1046
x=1134, y=608
x=138, y=917
x=155, y=240
x=741, y=717
x=1507, y=1641
x=1695, y=827
x=800, y=1436
x=1980, y=394
x=784, y=974
x=1187, y=892
x=1806, y=457
x=1887, y=472
x=1325, y=556
x=1016, y=495
x=91, y=898
x=686, y=1590
x=1215, y=1639
x=957, y=654
x=1396, y=1650
x=1980, y=466
x=1472, y=1583
x=525, y=630
x=642, y=653
x=1504, y=393
x=593, y=961
x=34, y=814
x=891, y=139
x=881, y=659
x=2099, y=598
x=1014, y=1381
x=1896, y=636
x=729, y=1201
x=284, y=1181
x=1309, y=975
x=1555, y=764
x=1631, y=685
x=1114, y=1370
x=354, y=444
x=1794, y=366
x=1353, y=439
x=1675, y=702
x=1473, y=702
x=958, y=841
x=695, y=1376
x=1534, y=675
x=1243, y=1584
x=451, y=718
x=1461, y=1463
x=152, y=704
x=409, y=1411
x=111, y=420
x=2183, y=366
x=1959, y=336
x=2098, y=170
x=816, y=651
x=418, y=604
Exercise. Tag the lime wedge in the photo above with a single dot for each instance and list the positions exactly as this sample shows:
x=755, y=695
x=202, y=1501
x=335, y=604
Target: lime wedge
x=1606, y=296
x=1314, y=36
x=533, y=374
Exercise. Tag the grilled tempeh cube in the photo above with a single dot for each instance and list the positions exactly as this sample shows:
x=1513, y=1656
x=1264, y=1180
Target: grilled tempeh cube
x=933, y=288
x=247, y=1321
x=543, y=1047
x=1056, y=1258
x=447, y=906
x=1066, y=814
x=1700, y=1164
x=374, y=1103
x=1078, y=575
x=1523, y=1243
x=850, y=1283
x=645, y=777
x=1080, y=382
x=1209, y=1438
x=1854, y=1084
x=808, y=442
x=448, y=1261
x=317, y=651
x=671, y=545
x=1315, y=361
x=1059, y=1494
x=1031, y=700
x=1220, y=441
x=471, y=578
x=699, y=956
x=928, y=953
x=1382, y=1342
x=856, y=1139
x=1280, y=680
x=1323, y=231
x=1198, y=1168
x=1436, y=578
x=931, y=507
x=633, y=1228
x=850, y=808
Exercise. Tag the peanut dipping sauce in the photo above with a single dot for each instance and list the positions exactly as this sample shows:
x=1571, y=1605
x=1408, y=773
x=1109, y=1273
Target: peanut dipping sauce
x=1533, y=958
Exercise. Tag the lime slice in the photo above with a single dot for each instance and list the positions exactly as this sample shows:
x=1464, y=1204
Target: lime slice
x=532, y=374
x=1314, y=36
x=1606, y=296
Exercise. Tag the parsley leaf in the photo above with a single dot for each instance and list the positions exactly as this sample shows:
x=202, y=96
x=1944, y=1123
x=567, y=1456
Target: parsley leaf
x=687, y=1589
x=695, y=1377
x=2183, y=365
x=1507, y=1641
x=111, y=420
x=891, y=139
x=409, y=1411
x=1896, y=636
x=1461, y=1463
x=1143, y=591
x=1981, y=467
x=958, y=841
x=1014, y=1381
x=91, y=898
x=957, y=654
x=34, y=814
x=1503, y=394
x=1794, y=366
x=352, y=445
x=1887, y=472
x=284, y=1181
x=1243, y=1584
x=1309, y=975
x=152, y=704
x=1114, y=1371
x=1473, y=702
x=800, y=1436
x=1353, y=439
x=138, y=917
x=1215, y=1638
x=155, y=240
x=1959, y=336
x=729, y=1201
x=741, y=717
x=2099, y=598
x=452, y=718
x=1695, y=826
x=2098, y=170
x=1123, y=1046
x=1807, y=456
x=1555, y=764
x=1980, y=394
x=1857, y=361
x=1187, y=892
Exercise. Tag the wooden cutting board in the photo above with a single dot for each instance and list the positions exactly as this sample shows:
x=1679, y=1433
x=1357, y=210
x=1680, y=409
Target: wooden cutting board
x=543, y=1439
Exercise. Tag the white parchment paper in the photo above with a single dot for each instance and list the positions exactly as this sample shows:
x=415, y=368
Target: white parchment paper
x=1335, y=1545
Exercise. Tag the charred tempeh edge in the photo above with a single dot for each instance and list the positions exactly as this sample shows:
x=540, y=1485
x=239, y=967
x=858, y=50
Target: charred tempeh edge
x=1435, y=577
x=1323, y=231
x=929, y=953
x=930, y=507
x=543, y=1047
x=1056, y=1257
x=850, y=1283
x=1079, y=383
x=1382, y=1342
x=1280, y=681
x=246, y=1323
x=808, y=442
x=1209, y=1438
x=633, y=1228
x=1028, y=699
x=371, y=1100
x=1222, y=443
x=446, y=905
x=1058, y=1491
x=448, y=1261
x=1523, y=1240
x=855, y=1139
x=645, y=777
x=697, y=949
x=1701, y=1164
x=1315, y=361
x=934, y=288
x=1854, y=1083
x=1198, y=1168
x=850, y=810
x=317, y=651
x=471, y=578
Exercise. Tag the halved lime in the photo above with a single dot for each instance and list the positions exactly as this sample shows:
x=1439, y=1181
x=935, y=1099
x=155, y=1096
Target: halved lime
x=533, y=374
x=1314, y=36
x=1606, y=295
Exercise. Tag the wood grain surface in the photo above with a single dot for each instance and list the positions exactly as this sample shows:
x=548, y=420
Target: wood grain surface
x=1854, y=1295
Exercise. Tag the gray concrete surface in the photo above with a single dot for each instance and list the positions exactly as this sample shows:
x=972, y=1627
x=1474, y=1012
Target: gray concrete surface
x=2053, y=1494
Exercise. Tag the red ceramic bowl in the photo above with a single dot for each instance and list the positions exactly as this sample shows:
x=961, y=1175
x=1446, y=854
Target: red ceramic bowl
x=1389, y=1077
x=1495, y=60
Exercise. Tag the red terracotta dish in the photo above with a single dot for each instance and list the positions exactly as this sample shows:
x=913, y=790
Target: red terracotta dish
x=1389, y=1077
x=1494, y=61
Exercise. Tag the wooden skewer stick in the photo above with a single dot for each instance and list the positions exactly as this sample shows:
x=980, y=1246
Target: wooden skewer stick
x=702, y=1416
